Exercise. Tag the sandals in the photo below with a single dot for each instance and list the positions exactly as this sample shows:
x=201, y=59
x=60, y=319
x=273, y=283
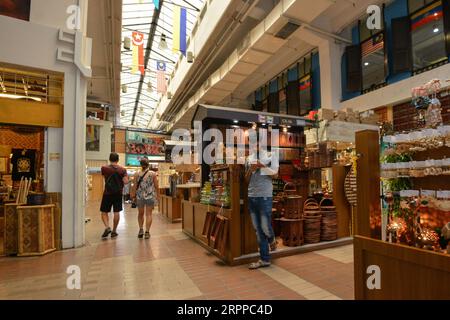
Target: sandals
x=141, y=234
x=259, y=264
x=147, y=235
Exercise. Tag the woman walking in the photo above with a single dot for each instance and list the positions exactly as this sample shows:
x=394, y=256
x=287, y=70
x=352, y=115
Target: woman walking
x=144, y=195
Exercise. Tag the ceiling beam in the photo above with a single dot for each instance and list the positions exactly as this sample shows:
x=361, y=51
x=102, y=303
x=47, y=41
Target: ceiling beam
x=148, y=50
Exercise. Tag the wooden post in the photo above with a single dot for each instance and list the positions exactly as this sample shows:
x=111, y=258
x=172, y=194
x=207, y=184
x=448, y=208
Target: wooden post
x=343, y=207
x=368, y=212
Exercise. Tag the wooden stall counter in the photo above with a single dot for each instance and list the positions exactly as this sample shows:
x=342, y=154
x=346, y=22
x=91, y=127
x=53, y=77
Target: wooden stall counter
x=406, y=273
x=170, y=208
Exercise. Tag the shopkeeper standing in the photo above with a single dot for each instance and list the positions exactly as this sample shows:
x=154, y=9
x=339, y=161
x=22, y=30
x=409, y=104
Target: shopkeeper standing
x=115, y=179
x=259, y=176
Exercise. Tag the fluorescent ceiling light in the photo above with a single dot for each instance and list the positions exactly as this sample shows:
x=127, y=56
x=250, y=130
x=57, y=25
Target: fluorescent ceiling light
x=13, y=96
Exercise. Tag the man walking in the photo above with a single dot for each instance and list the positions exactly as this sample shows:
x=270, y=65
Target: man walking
x=260, y=193
x=115, y=179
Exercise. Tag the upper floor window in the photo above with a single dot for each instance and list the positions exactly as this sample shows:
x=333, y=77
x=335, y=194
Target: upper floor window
x=427, y=34
x=373, y=62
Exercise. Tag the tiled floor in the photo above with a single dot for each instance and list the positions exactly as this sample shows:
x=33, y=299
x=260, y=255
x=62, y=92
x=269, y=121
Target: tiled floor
x=171, y=266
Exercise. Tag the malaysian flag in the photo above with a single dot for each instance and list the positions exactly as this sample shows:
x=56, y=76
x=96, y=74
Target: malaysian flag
x=372, y=45
x=161, y=86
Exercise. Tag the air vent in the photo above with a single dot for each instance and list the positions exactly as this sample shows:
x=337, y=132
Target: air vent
x=287, y=30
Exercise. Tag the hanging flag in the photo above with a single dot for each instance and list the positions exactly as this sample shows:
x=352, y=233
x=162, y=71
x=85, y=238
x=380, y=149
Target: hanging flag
x=161, y=86
x=179, y=29
x=372, y=45
x=156, y=3
x=138, y=53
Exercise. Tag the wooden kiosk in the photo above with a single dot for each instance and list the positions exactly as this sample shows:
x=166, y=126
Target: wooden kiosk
x=227, y=232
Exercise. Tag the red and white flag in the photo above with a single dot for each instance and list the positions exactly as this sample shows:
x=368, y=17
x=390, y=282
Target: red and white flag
x=161, y=76
x=138, y=53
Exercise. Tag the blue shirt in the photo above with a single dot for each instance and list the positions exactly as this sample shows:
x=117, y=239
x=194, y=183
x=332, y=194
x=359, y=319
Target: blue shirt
x=260, y=185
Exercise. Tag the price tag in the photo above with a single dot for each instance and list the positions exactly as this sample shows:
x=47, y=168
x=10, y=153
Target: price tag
x=409, y=193
x=428, y=193
x=443, y=194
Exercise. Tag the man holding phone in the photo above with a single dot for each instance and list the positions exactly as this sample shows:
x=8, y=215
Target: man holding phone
x=260, y=195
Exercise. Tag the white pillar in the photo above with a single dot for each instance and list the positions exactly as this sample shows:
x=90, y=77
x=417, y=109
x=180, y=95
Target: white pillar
x=330, y=55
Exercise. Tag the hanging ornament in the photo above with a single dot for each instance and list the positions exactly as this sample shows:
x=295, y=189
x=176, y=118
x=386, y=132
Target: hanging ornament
x=433, y=116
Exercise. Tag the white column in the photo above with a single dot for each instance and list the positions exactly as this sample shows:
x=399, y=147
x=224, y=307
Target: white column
x=330, y=55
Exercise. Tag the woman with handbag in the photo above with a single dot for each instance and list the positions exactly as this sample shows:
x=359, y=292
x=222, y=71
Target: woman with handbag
x=145, y=197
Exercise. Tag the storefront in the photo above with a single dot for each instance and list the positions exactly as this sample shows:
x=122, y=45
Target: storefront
x=43, y=53
x=25, y=162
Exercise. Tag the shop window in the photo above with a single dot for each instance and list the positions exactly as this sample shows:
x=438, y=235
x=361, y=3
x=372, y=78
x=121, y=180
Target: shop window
x=401, y=45
x=415, y=5
x=354, y=73
x=283, y=101
x=258, y=100
x=305, y=86
x=373, y=62
x=293, y=98
x=301, y=68
x=428, y=36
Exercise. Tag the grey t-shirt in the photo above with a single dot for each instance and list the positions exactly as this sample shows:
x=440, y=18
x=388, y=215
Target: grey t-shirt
x=260, y=185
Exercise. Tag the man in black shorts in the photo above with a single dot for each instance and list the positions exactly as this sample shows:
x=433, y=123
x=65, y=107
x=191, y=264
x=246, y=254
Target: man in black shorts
x=115, y=179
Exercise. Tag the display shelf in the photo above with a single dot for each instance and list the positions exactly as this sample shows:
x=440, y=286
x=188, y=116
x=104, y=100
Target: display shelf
x=398, y=262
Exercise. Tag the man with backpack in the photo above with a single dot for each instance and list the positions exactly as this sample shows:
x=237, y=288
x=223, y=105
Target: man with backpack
x=115, y=179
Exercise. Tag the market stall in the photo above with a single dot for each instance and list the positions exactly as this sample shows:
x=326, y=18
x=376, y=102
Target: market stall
x=407, y=234
x=220, y=221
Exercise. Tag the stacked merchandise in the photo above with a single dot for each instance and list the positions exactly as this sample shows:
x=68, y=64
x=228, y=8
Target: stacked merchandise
x=416, y=188
x=206, y=193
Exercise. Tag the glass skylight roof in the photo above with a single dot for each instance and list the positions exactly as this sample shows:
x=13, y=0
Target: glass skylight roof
x=137, y=15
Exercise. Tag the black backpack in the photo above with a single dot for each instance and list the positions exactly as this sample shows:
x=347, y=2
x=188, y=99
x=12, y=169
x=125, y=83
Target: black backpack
x=114, y=184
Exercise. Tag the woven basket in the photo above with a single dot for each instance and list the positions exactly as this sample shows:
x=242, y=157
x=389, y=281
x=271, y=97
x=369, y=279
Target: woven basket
x=289, y=189
x=327, y=204
x=311, y=208
x=312, y=229
x=328, y=226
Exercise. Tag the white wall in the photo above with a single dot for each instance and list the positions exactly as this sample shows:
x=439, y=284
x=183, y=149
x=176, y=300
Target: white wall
x=34, y=44
x=51, y=13
x=105, y=140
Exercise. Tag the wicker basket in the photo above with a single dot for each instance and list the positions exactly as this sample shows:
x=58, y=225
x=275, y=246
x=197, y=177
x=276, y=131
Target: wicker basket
x=328, y=226
x=311, y=208
x=292, y=232
x=289, y=189
x=292, y=202
x=311, y=229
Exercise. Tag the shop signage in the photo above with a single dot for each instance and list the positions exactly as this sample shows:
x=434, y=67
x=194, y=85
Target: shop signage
x=144, y=144
x=133, y=160
x=287, y=121
x=269, y=120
